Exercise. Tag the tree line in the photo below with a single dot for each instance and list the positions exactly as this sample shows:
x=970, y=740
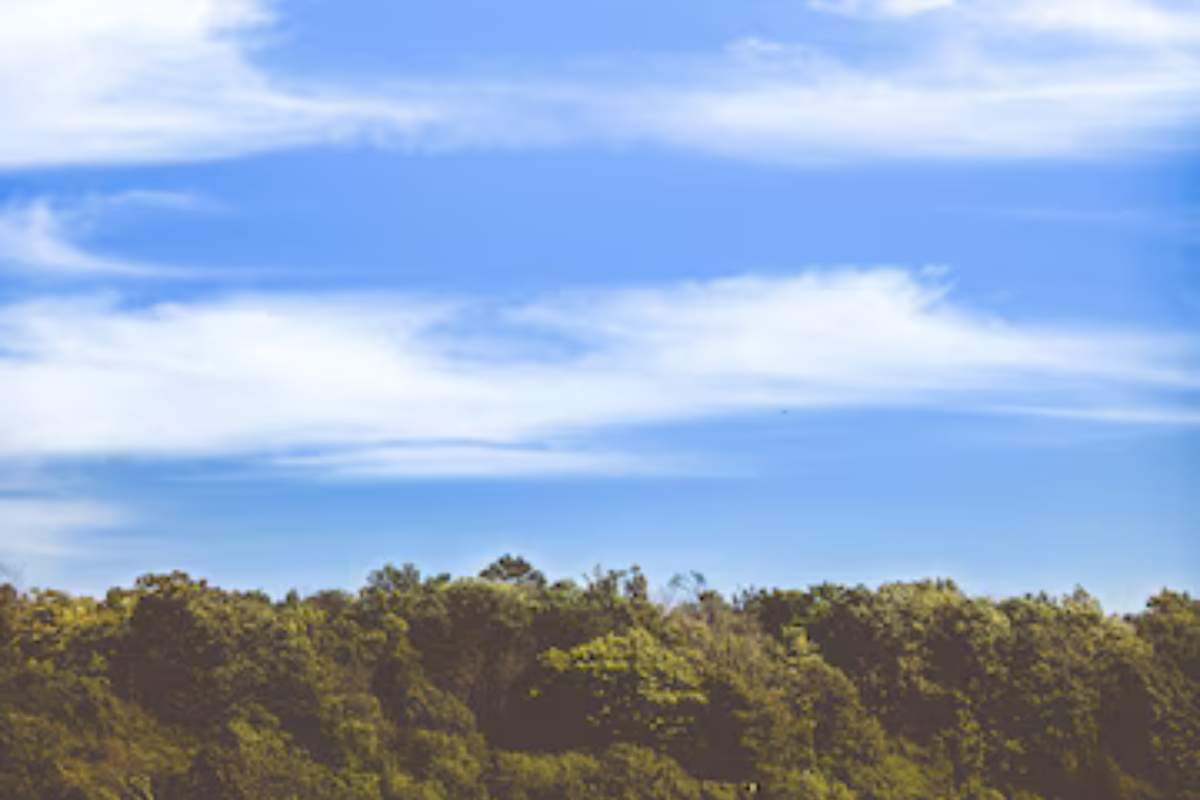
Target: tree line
x=508, y=686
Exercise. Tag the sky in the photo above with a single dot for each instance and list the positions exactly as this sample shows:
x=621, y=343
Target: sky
x=780, y=291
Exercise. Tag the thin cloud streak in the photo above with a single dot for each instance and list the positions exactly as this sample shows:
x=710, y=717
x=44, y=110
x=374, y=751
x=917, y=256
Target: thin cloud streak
x=1162, y=416
x=1138, y=23
x=1130, y=22
x=449, y=461
x=40, y=526
x=407, y=386
x=41, y=238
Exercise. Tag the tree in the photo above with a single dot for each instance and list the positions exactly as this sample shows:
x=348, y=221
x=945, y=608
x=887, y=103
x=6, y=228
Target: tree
x=389, y=579
x=622, y=688
x=507, y=687
x=514, y=570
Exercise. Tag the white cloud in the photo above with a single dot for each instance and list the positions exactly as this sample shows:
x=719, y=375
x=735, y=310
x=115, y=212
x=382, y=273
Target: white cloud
x=960, y=107
x=1145, y=22
x=1189, y=417
x=40, y=237
x=404, y=387
x=39, y=526
x=954, y=89
x=880, y=8
x=974, y=79
x=1141, y=22
x=175, y=80
x=465, y=461
x=85, y=82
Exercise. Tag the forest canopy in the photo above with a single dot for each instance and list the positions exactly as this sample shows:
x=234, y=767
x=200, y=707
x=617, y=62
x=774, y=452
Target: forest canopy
x=509, y=685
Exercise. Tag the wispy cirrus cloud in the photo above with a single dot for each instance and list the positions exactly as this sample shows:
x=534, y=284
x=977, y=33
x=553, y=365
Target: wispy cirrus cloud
x=133, y=81
x=1137, y=22
x=1152, y=23
x=407, y=387
x=45, y=526
x=881, y=8
x=458, y=461
x=795, y=106
x=43, y=237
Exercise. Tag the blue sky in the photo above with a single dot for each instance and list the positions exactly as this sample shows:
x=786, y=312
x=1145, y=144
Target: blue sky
x=781, y=291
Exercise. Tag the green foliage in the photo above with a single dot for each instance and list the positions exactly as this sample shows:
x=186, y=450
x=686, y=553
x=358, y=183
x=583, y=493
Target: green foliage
x=530, y=776
x=509, y=686
x=796, y=784
x=389, y=579
x=630, y=772
x=254, y=759
x=624, y=688
x=514, y=570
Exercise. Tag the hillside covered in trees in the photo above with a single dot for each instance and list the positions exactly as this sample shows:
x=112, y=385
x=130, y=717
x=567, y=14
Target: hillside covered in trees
x=507, y=686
